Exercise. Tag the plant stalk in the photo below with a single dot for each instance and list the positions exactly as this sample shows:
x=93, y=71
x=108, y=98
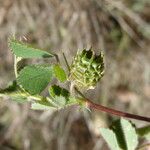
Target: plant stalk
x=111, y=111
x=116, y=112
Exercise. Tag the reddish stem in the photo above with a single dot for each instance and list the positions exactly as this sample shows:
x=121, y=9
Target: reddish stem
x=111, y=111
x=115, y=112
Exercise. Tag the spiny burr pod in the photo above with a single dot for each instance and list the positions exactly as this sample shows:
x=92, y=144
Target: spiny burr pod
x=86, y=69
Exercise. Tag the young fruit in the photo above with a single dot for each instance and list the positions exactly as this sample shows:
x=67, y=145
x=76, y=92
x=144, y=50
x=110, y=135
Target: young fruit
x=87, y=69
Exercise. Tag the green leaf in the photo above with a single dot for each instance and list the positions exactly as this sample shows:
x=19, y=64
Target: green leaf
x=16, y=96
x=147, y=136
x=43, y=104
x=60, y=73
x=122, y=135
x=126, y=134
x=110, y=138
x=19, y=97
x=13, y=92
x=117, y=128
x=130, y=135
x=37, y=106
x=35, y=78
x=61, y=97
x=144, y=132
x=25, y=51
x=56, y=90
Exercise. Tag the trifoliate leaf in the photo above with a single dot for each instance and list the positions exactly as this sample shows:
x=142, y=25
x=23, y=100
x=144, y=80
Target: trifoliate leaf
x=25, y=51
x=60, y=73
x=110, y=138
x=35, y=78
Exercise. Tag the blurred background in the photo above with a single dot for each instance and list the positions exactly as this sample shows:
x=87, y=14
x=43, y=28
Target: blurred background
x=118, y=27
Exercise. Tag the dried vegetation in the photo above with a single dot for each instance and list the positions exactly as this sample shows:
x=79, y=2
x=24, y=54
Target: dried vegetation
x=119, y=27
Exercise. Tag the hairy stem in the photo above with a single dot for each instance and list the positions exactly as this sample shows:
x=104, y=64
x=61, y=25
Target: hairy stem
x=111, y=111
x=67, y=64
x=116, y=112
x=57, y=58
x=15, y=66
x=16, y=61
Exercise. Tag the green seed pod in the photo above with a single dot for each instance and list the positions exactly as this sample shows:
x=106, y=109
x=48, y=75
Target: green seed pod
x=87, y=69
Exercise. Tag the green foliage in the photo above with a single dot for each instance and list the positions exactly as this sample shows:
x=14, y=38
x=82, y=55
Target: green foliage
x=25, y=51
x=35, y=78
x=60, y=73
x=19, y=97
x=61, y=96
x=43, y=104
x=38, y=106
x=110, y=138
x=13, y=91
x=130, y=136
x=86, y=70
x=123, y=132
x=144, y=132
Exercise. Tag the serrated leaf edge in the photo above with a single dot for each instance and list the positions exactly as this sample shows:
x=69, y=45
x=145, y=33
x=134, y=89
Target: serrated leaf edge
x=36, y=66
x=26, y=45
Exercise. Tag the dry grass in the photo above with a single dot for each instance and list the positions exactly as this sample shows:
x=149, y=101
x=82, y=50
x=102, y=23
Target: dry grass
x=120, y=28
